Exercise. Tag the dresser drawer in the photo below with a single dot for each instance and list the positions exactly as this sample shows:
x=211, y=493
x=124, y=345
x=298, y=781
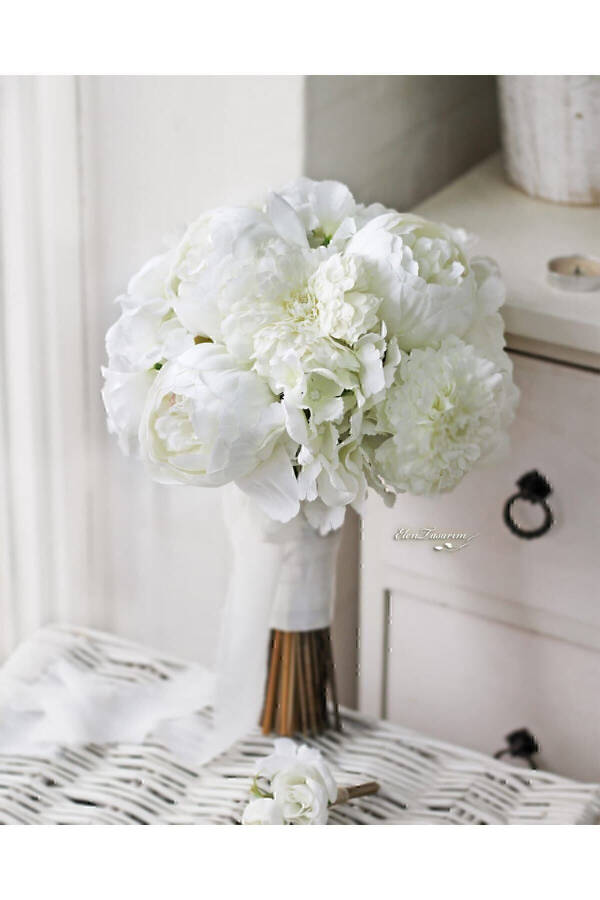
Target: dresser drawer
x=465, y=679
x=546, y=588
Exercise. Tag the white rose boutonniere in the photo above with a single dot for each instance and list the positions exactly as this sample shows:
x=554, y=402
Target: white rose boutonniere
x=295, y=786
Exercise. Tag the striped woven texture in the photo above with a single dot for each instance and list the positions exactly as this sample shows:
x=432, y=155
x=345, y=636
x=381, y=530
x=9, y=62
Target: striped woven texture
x=422, y=781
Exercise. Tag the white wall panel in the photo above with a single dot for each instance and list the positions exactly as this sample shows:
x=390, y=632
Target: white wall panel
x=44, y=533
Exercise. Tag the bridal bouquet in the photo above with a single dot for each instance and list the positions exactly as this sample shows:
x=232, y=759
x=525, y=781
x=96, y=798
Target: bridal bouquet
x=304, y=352
x=308, y=350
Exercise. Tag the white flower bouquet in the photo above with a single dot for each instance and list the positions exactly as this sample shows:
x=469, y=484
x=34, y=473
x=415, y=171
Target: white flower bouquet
x=307, y=351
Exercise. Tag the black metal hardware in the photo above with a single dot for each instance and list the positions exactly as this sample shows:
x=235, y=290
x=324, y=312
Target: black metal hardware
x=534, y=488
x=521, y=744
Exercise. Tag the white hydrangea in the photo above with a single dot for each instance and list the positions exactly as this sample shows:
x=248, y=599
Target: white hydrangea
x=207, y=422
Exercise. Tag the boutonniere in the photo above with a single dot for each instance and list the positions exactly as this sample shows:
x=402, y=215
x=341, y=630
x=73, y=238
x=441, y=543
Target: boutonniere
x=295, y=786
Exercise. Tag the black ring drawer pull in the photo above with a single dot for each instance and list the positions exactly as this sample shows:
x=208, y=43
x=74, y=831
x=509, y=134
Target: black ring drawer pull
x=520, y=744
x=534, y=488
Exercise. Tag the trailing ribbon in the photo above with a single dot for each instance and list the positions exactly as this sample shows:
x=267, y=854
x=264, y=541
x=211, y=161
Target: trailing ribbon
x=282, y=577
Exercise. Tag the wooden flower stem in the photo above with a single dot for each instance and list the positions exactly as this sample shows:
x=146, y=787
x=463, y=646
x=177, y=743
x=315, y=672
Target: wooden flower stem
x=301, y=674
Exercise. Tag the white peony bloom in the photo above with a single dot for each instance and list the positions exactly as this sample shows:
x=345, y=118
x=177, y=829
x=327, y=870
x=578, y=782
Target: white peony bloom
x=124, y=395
x=207, y=422
x=263, y=811
x=208, y=257
x=149, y=285
x=421, y=272
x=446, y=412
x=326, y=209
x=144, y=337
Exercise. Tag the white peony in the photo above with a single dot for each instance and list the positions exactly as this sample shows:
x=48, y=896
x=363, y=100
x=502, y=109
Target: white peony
x=144, y=337
x=421, y=272
x=445, y=413
x=124, y=395
x=327, y=210
x=263, y=811
x=207, y=422
x=208, y=257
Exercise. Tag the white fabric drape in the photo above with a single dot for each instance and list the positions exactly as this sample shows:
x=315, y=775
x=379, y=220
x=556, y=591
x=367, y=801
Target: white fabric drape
x=282, y=576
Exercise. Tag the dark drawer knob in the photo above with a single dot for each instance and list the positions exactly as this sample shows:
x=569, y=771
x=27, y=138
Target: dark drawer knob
x=534, y=488
x=520, y=744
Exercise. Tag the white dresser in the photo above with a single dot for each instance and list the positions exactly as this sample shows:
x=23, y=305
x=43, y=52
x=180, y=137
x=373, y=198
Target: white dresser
x=469, y=645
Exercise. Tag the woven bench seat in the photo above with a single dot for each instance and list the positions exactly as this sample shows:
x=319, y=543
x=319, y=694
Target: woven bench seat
x=423, y=781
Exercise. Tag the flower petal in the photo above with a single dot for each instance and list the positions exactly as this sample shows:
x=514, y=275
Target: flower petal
x=273, y=486
x=286, y=222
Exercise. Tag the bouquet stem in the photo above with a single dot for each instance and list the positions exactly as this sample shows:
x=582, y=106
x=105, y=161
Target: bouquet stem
x=301, y=673
x=358, y=790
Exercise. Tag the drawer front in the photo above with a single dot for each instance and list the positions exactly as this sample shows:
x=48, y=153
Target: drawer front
x=546, y=587
x=470, y=681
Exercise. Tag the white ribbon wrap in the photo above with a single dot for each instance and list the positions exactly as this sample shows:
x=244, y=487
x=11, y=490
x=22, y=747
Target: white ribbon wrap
x=283, y=576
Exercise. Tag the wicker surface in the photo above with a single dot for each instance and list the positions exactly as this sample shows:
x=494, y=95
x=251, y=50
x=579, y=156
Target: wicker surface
x=422, y=781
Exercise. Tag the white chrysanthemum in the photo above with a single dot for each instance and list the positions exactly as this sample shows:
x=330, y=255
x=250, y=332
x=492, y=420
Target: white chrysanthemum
x=207, y=422
x=446, y=413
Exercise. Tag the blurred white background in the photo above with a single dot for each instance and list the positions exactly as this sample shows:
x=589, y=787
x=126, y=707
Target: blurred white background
x=95, y=172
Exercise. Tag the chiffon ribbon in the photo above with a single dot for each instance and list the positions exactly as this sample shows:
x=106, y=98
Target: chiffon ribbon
x=282, y=576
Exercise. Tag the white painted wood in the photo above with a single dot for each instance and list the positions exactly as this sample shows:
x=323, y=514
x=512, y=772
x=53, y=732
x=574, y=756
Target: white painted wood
x=546, y=586
x=551, y=135
x=523, y=234
x=463, y=678
x=43, y=369
x=397, y=139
